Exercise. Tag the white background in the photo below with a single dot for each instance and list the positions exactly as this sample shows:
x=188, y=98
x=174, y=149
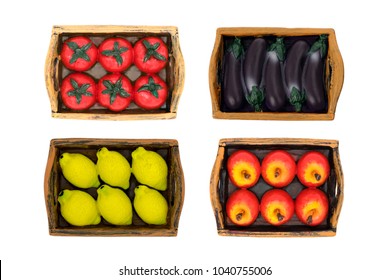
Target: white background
x=361, y=245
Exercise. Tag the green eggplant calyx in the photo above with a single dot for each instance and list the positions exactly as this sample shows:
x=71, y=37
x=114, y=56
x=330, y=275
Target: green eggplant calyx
x=297, y=98
x=279, y=48
x=236, y=48
x=321, y=45
x=256, y=98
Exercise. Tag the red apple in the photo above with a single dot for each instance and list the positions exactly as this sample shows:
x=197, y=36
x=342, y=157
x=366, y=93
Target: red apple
x=313, y=169
x=243, y=168
x=242, y=207
x=311, y=206
x=278, y=168
x=277, y=207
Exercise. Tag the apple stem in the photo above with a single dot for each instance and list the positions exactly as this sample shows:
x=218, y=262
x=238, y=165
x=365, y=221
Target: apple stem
x=309, y=219
x=246, y=174
x=317, y=176
x=277, y=172
x=280, y=216
x=239, y=215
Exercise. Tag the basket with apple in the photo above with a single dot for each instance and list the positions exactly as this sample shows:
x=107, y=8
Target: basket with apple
x=277, y=187
x=114, y=72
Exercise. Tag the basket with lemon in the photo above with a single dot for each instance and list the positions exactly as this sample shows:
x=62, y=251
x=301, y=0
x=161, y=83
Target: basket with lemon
x=114, y=187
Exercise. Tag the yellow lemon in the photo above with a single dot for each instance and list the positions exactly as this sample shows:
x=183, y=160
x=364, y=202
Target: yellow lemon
x=78, y=208
x=79, y=170
x=150, y=205
x=149, y=168
x=113, y=168
x=114, y=205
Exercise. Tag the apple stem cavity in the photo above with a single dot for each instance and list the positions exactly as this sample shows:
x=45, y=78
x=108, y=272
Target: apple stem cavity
x=239, y=215
x=277, y=172
x=309, y=219
x=317, y=176
x=279, y=216
x=246, y=175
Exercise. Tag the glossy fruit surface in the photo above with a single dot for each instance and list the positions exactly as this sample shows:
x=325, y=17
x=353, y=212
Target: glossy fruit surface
x=78, y=208
x=115, y=54
x=114, y=205
x=78, y=91
x=115, y=92
x=150, y=92
x=150, y=205
x=113, y=168
x=244, y=168
x=150, y=168
x=277, y=207
x=78, y=53
x=278, y=168
x=79, y=170
x=312, y=206
x=150, y=55
x=242, y=207
x=313, y=169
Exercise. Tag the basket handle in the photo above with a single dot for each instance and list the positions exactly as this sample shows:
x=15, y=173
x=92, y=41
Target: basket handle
x=339, y=189
x=179, y=73
x=214, y=189
x=336, y=68
x=178, y=188
x=52, y=72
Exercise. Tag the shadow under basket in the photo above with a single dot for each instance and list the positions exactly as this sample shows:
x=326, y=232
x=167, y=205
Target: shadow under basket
x=231, y=97
x=55, y=182
x=172, y=74
x=221, y=187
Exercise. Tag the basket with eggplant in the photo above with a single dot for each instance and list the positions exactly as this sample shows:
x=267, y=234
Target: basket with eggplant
x=275, y=73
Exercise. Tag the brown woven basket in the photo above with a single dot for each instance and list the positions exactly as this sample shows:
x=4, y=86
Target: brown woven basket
x=55, y=182
x=221, y=187
x=173, y=74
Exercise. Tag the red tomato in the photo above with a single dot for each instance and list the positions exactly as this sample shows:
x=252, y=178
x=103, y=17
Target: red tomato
x=150, y=55
x=78, y=53
x=115, y=92
x=78, y=91
x=151, y=92
x=115, y=54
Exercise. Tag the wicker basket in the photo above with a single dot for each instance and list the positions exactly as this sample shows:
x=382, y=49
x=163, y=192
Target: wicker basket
x=55, y=182
x=221, y=187
x=172, y=74
x=334, y=72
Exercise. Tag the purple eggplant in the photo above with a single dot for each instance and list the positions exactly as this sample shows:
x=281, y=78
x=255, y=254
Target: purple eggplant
x=293, y=68
x=274, y=88
x=232, y=92
x=313, y=76
x=252, y=72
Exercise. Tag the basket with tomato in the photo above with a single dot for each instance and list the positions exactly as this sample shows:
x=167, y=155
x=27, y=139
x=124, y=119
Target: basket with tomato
x=114, y=72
